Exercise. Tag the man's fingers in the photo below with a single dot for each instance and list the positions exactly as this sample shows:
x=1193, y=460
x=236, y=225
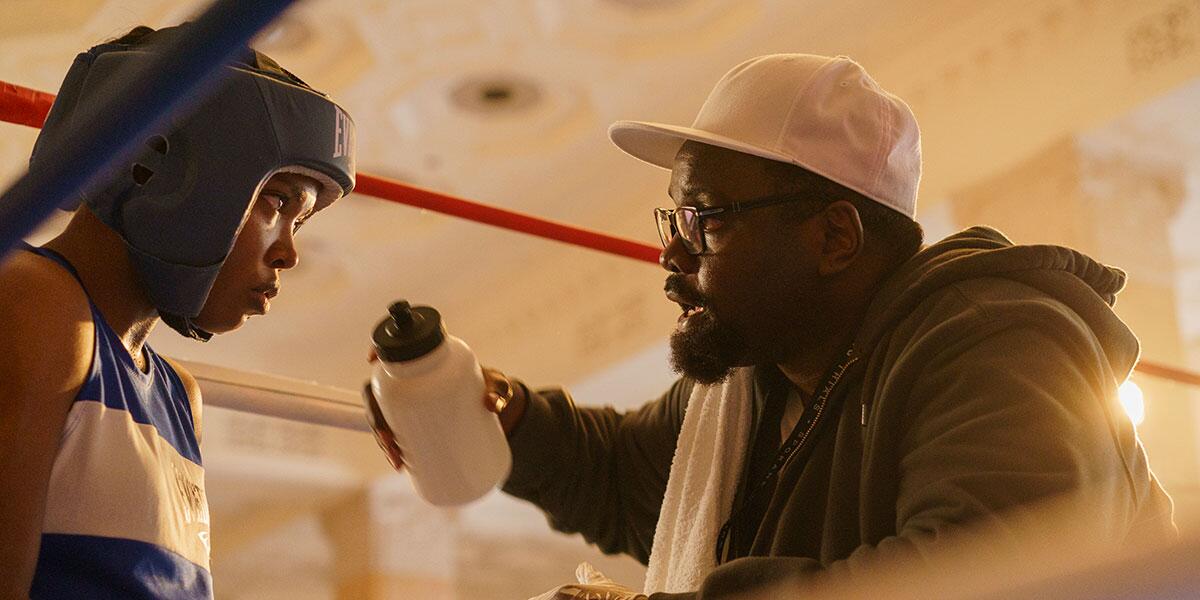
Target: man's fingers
x=390, y=452
x=374, y=414
x=383, y=434
x=387, y=443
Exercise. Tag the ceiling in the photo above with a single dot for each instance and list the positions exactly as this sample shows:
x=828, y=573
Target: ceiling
x=507, y=102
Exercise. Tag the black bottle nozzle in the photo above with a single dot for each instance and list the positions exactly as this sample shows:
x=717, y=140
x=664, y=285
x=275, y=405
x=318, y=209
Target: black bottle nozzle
x=402, y=315
x=409, y=332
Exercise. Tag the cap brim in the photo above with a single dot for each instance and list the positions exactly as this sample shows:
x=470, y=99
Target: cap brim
x=658, y=144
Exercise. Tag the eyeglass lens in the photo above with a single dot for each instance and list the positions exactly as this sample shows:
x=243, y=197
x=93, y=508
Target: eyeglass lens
x=683, y=222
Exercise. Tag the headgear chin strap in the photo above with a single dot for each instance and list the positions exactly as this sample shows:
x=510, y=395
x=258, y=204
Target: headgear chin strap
x=180, y=204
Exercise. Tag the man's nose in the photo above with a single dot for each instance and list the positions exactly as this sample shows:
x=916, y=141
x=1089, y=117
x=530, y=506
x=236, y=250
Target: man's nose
x=675, y=259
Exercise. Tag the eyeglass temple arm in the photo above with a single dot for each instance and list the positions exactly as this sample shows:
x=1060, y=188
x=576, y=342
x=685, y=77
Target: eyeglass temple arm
x=741, y=206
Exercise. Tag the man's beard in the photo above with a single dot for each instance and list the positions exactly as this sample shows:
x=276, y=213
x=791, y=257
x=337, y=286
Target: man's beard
x=706, y=350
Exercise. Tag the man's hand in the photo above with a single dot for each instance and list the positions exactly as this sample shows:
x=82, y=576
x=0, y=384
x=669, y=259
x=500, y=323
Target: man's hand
x=383, y=434
x=593, y=585
x=500, y=396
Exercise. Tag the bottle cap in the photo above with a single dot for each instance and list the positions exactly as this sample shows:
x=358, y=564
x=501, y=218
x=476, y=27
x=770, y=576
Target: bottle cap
x=408, y=333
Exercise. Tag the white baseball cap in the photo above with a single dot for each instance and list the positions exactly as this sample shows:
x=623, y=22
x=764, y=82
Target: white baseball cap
x=821, y=113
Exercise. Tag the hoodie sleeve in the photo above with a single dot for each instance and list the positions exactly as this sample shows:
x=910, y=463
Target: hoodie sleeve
x=597, y=471
x=1004, y=409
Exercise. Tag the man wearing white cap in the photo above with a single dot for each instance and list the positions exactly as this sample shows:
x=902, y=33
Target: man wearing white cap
x=847, y=398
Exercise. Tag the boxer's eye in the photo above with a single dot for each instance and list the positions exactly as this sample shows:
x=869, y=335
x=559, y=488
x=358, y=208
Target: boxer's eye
x=275, y=199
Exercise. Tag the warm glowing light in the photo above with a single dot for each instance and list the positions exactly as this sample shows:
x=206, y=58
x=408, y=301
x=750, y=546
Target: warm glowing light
x=1134, y=402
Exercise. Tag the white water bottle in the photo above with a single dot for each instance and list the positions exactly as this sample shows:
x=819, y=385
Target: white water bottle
x=430, y=389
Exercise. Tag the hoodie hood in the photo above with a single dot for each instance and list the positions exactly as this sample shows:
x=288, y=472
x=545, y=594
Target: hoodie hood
x=1084, y=285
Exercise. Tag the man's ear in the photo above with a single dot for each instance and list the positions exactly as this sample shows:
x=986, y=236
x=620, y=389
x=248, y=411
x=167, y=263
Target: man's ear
x=843, y=237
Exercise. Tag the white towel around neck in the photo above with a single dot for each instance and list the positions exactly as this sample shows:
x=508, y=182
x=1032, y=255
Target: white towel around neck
x=704, y=474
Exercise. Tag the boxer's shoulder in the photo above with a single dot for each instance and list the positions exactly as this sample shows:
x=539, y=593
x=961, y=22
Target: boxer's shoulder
x=36, y=285
x=46, y=320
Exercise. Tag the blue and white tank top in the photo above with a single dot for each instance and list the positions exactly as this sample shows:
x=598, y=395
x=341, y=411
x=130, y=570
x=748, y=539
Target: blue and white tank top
x=126, y=515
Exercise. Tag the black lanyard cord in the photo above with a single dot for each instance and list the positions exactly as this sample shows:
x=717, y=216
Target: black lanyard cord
x=800, y=437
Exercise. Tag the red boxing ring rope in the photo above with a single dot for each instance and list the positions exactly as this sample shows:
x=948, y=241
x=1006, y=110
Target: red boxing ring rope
x=394, y=191
x=23, y=106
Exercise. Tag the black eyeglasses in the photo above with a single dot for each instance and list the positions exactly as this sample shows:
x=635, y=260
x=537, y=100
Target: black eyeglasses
x=687, y=222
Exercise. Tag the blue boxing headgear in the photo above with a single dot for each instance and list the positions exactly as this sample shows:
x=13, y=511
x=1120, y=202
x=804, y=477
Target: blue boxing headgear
x=181, y=202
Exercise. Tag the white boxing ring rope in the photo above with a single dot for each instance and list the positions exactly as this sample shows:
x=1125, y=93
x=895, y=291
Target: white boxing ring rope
x=280, y=397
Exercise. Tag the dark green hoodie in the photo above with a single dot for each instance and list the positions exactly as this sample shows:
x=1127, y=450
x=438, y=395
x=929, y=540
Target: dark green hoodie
x=988, y=381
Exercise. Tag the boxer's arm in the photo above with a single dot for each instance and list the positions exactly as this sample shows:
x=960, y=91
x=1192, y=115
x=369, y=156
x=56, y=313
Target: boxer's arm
x=46, y=339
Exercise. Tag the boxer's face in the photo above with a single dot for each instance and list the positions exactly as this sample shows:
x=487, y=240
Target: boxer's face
x=265, y=247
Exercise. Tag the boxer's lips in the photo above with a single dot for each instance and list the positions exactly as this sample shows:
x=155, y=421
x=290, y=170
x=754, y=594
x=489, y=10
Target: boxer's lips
x=263, y=295
x=270, y=290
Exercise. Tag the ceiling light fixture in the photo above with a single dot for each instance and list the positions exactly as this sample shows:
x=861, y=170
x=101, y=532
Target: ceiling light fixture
x=496, y=94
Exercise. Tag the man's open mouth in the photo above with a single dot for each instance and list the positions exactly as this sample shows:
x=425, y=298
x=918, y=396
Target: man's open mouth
x=689, y=310
x=687, y=307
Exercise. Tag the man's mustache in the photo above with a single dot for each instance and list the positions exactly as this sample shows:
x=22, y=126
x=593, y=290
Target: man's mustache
x=677, y=285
